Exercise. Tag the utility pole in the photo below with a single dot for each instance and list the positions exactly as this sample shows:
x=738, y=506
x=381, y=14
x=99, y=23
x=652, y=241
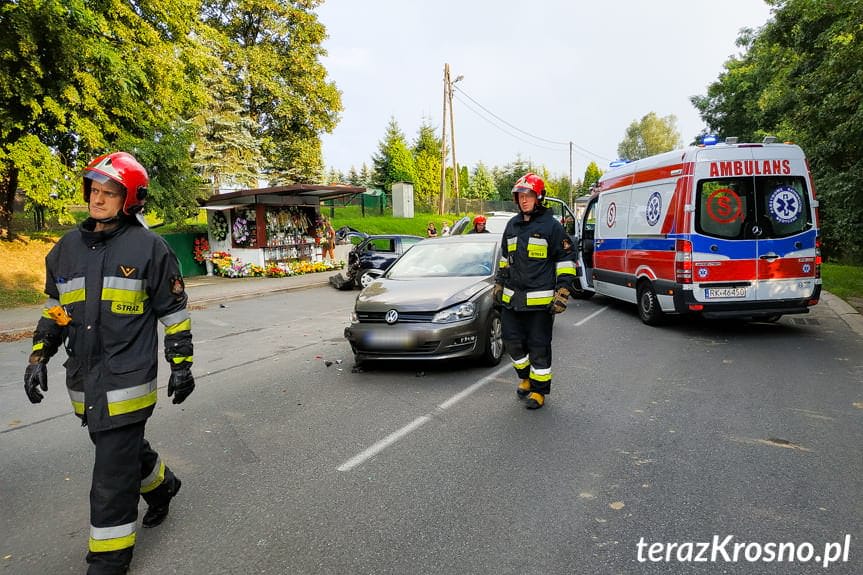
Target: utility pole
x=442, y=205
x=447, y=101
x=571, y=205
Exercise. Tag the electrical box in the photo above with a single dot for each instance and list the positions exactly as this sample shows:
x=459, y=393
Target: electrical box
x=403, y=200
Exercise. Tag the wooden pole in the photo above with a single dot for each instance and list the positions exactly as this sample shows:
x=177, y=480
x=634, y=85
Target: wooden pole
x=442, y=203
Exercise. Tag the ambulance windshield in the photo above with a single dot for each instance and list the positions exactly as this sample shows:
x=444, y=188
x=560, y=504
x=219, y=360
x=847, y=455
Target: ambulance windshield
x=753, y=207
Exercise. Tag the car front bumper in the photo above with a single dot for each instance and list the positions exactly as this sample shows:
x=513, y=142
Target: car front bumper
x=414, y=341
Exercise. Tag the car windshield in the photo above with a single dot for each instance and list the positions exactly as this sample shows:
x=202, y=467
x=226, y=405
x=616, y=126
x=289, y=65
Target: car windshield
x=445, y=259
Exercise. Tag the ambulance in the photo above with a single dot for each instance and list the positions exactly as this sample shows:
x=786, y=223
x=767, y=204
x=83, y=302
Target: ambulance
x=728, y=230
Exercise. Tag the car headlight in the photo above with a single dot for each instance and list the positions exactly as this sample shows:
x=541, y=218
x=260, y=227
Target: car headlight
x=354, y=317
x=460, y=312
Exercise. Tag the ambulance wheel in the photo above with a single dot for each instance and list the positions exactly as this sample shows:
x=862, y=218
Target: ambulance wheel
x=581, y=294
x=648, y=305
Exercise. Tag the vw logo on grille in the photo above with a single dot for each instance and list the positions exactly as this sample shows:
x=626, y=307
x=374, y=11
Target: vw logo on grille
x=391, y=317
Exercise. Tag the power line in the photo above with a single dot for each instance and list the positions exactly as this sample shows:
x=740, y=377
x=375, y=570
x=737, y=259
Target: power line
x=584, y=150
x=508, y=133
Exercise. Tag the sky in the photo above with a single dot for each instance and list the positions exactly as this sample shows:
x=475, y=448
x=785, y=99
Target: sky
x=537, y=73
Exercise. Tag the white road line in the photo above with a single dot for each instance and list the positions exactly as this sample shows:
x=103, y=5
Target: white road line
x=416, y=423
x=383, y=443
x=591, y=316
x=370, y=452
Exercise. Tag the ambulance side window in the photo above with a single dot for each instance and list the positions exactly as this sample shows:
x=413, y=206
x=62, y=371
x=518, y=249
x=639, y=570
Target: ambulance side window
x=783, y=205
x=722, y=207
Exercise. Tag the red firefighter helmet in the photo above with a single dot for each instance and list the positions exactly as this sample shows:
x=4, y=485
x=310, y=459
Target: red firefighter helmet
x=479, y=220
x=529, y=182
x=124, y=169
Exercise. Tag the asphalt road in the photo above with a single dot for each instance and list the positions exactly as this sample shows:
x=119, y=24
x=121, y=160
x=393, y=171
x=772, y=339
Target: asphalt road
x=681, y=434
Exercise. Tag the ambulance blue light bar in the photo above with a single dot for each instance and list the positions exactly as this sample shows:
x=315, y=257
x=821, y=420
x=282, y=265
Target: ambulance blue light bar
x=618, y=163
x=709, y=140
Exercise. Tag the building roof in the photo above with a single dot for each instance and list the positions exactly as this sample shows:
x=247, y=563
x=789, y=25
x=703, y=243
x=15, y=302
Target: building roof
x=296, y=194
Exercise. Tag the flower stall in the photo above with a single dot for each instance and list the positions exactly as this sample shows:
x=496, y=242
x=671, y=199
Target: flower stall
x=275, y=227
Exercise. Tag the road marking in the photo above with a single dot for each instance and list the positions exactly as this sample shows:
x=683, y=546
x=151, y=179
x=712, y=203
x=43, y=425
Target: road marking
x=417, y=423
x=591, y=316
x=395, y=436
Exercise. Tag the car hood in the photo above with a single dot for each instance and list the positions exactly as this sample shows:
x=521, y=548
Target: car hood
x=425, y=294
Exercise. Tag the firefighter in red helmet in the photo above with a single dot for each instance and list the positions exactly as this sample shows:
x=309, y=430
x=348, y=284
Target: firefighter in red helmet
x=532, y=285
x=479, y=225
x=109, y=282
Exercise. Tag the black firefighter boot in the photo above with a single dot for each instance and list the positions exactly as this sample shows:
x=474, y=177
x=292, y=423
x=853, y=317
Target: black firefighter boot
x=535, y=400
x=157, y=513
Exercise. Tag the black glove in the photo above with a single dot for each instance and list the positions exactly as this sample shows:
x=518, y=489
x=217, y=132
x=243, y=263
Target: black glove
x=35, y=376
x=558, y=304
x=497, y=295
x=181, y=384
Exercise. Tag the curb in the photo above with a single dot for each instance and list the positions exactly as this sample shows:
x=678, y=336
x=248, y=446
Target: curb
x=253, y=293
x=845, y=311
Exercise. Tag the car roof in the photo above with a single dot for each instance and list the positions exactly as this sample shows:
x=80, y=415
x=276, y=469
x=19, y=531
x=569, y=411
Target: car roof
x=378, y=236
x=471, y=238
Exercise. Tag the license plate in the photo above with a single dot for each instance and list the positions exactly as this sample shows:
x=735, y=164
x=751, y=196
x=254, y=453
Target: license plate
x=390, y=340
x=722, y=293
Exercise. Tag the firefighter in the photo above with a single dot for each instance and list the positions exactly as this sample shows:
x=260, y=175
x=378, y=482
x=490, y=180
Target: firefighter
x=479, y=225
x=532, y=285
x=109, y=282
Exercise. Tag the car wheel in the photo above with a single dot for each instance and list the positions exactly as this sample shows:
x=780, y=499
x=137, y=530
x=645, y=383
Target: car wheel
x=581, y=294
x=648, y=305
x=494, y=342
x=365, y=279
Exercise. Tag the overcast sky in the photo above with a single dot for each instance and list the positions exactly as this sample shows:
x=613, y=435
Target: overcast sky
x=560, y=70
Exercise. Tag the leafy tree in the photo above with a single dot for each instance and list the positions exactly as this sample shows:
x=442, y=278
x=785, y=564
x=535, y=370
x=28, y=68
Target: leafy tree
x=393, y=162
x=77, y=79
x=273, y=62
x=426, y=155
x=481, y=184
x=463, y=179
x=800, y=78
x=651, y=135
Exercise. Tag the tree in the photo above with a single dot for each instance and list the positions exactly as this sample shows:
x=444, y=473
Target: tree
x=226, y=151
x=481, y=184
x=354, y=177
x=426, y=155
x=800, y=79
x=651, y=135
x=591, y=176
x=79, y=79
x=273, y=61
x=366, y=176
x=506, y=176
x=393, y=162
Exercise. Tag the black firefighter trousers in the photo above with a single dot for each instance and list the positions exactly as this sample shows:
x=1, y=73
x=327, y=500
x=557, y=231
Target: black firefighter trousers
x=125, y=469
x=527, y=337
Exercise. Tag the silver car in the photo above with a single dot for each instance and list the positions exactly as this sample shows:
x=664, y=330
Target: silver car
x=433, y=303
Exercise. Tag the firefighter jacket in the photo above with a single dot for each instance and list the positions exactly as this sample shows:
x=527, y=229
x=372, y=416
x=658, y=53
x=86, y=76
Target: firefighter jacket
x=115, y=285
x=537, y=258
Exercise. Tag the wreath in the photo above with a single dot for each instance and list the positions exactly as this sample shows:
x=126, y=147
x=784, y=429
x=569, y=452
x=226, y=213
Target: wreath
x=219, y=226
